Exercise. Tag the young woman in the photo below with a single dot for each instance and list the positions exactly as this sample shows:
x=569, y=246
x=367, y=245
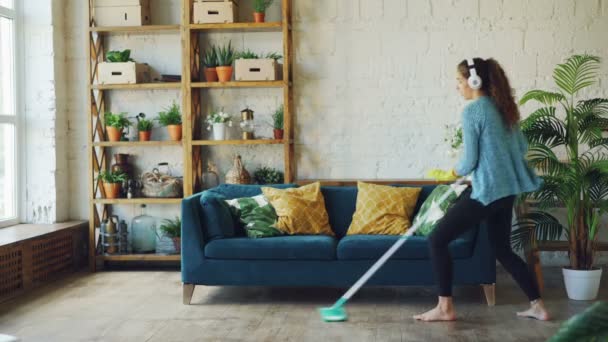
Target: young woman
x=494, y=153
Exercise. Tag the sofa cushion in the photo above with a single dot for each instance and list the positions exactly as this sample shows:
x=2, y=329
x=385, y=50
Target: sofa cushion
x=365, y=247
x=301, y=247
x=340, y=202
x=231, y=191
x=218, y=222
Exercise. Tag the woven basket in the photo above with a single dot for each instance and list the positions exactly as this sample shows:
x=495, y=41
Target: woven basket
x=238, y=174
x=156, y=184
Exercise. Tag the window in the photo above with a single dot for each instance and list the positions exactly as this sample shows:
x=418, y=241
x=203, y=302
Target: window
x=8, y=119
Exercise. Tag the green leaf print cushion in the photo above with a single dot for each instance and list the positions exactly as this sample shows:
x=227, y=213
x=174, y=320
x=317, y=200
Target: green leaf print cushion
x=257, y=216
x=436, y=210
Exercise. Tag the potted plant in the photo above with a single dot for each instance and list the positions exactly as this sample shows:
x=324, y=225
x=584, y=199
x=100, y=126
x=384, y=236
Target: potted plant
x=210, y=62
x=112, y=183
x=455, y=139
x=259, y=9
x=218, y=120
x=277, y=123
x=144, y=127
x=225, y=57
x=580, y=182
x=266, y=175
x=172, y=119
x=115, y=124
x=173, y=229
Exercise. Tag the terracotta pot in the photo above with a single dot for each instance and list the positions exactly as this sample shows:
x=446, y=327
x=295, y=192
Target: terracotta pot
x=258, y=17
x=177, y=242
x=145, y=135
x=113, y=133
x=224, y=73
x=112, y=189
x=211, y=74
x=175, y=132
x=278, y=134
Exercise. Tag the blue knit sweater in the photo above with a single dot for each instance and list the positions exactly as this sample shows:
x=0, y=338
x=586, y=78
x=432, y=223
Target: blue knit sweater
x=494, y=154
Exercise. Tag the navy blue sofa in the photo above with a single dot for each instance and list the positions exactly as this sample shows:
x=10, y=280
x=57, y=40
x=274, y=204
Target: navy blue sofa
x=228, y=258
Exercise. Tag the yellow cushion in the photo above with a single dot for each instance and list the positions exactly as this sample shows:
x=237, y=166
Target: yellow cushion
x=300, y=210
x=383, y=209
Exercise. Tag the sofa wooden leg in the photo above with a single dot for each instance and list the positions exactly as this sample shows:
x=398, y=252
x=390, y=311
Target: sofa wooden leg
x=490, y=292
x=188, y=291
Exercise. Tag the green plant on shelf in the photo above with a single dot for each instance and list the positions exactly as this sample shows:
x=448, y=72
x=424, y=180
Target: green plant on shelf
x=144, y=125
x=112, y=177
x=210, y=57
x=171, y=116
x=119, y=56
x=219, y=116
x=260, y=6
x=252, y=55
x=172, y=228
x=277, y=118
x=225, y=55
x=118, y=121
x=266, y=175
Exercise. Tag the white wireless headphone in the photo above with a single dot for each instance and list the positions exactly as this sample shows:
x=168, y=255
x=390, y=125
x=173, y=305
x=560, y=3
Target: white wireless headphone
x=474, y=80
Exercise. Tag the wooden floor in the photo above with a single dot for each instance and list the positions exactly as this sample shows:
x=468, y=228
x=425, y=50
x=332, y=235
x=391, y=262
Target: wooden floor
x=146, y=306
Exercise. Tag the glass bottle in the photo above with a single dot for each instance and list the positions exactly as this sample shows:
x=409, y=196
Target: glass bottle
x=143, y=233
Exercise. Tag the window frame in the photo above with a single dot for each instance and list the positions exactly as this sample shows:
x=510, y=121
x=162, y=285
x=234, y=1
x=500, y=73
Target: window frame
x=17, y=119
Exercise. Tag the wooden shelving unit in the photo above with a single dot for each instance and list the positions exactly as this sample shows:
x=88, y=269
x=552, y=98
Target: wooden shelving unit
x=191, y=89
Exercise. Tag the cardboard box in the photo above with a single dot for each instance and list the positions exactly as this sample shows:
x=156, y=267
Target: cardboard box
x=123, y=73
x=263, y=69
x=137, y=13
x=215, y=12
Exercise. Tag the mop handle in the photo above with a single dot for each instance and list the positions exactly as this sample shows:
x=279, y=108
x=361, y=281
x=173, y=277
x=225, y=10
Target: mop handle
x=393, y=249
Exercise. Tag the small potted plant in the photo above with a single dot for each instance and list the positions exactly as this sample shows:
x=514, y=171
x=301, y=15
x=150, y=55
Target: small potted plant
x=172, y=119
x=259, y=9
x=112, y=183
x=144, y=127
x=225, y=57
x=115, y=124
x=455, y=139
x=173, y=230
x=218, y=120
x=210, y=62
x=277, y=118
x=266, y=175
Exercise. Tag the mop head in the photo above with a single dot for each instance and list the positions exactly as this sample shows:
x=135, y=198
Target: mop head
x=336, y=313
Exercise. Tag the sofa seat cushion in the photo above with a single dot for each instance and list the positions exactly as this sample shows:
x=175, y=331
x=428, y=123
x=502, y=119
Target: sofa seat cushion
x=370, y=247
x=299, y=247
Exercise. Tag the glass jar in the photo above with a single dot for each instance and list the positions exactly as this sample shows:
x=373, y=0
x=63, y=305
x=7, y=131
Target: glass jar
x=143, y=233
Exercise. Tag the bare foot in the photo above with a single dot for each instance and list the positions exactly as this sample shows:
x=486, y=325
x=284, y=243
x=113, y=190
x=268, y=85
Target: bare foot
x=437, y=315
x=536, y=311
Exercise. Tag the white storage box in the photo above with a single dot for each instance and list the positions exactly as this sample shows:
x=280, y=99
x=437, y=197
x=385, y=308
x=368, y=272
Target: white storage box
x=263, y=69
x=121, y=13
x=123, y=73
x=215, y=12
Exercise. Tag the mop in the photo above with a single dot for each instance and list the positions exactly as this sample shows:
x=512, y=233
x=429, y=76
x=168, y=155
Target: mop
x=336, y=313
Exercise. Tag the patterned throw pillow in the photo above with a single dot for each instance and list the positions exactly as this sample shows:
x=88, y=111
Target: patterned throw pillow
x=383, y=209
x=437, y=210
x=300, y=210
x=257, y=216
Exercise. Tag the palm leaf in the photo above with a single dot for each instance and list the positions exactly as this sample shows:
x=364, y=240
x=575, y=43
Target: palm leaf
x=578, y=72
x=590, y=325
x=545, y=97
x=536, y=225
x=538, y=114
x=547, y=130
x=601, y=142
x=544, y=159
x=597, y=185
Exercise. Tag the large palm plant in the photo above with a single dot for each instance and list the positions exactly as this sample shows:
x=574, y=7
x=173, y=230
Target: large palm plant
x=578, y=181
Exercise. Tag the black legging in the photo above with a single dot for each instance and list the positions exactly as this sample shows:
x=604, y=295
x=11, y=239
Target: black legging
x=465, y=214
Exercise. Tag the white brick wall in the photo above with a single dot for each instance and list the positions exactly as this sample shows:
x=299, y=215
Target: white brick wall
x=374, y=80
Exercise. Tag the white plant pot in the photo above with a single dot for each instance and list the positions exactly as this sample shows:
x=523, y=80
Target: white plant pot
x=219, y=131
x=582, y=285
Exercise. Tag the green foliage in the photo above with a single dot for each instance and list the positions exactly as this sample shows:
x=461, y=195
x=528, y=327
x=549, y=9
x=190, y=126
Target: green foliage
x=210, y=58
x=266, y=175
x=172, y=228
x=252, y=55
x=171, y=115
x=145, y=125
x=590, y=325
x=260, y=6
x=119, y=121
x=225, y=55
x=119, y=56
x=455, y=138
x=580, y=181
x=112, y=177
x=277, y=118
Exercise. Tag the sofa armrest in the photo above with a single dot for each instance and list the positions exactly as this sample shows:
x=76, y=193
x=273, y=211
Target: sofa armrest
x=192, y=239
